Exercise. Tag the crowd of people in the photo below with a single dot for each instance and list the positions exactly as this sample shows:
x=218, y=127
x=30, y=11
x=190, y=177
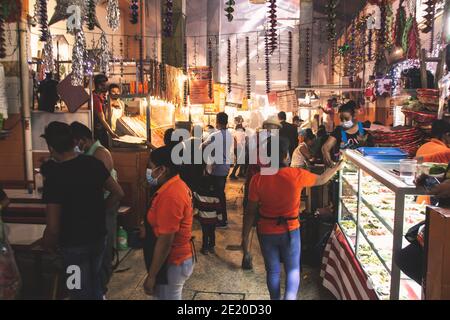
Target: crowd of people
x=82, y=194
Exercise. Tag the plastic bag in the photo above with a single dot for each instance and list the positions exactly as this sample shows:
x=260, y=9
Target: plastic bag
x=10, y=281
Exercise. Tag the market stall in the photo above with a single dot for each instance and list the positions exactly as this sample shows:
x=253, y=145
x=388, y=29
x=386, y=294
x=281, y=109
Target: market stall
x=376, y=208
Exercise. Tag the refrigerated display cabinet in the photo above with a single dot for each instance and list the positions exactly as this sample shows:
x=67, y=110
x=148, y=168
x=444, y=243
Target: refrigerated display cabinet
x=376, y=208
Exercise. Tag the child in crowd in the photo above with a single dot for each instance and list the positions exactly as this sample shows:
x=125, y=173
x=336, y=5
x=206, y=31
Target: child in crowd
x=206, y=205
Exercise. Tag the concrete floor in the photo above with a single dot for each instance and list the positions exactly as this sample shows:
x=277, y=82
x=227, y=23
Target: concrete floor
x=219, y=276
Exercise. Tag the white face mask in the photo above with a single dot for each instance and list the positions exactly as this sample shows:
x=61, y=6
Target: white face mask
x=347, y=124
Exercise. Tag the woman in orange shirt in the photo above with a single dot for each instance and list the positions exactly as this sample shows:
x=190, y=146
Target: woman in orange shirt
x=275, y=200
x=168, y=229
x=436, y=150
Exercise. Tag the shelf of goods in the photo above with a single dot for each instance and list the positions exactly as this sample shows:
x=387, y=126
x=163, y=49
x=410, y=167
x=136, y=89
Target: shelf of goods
x=376, y=208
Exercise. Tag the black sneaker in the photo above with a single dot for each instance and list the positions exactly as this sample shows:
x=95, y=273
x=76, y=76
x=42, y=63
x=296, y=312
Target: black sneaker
x=212, y=250
x=204, y=251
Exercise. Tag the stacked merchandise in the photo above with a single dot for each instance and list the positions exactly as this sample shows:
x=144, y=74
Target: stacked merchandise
x=405, y=138
x=3, y=100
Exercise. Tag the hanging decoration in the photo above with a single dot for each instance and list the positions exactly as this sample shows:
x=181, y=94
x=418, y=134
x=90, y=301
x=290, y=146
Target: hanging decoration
x=43, y=20
x=344, y=49
x=121, y=58
x=383, y=25
x=134, y=15
x=381, y=38
x=290, y=56
x=400, y=24
x=331, y=16
x=113, y=14
x=185, y=70
x=35, y=18
x=229, y=9
x=236, y=58
x=168, y=19
x=267, y=60
x=78, y=58
x=280, y=66
x=229, y=65
x=61, y=13
x=389, y=27
x=247, y=54
x=272, y=26
x=369, y=45
x=141, y=61
x=429, y=16
x=307, y=56
x=2, y=33
x=91, y=16
x=104, y=55
x=353, y=52
x=48, y=62
x=210, y=65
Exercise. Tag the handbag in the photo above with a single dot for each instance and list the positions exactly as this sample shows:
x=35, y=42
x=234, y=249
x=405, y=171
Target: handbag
x=413, y=233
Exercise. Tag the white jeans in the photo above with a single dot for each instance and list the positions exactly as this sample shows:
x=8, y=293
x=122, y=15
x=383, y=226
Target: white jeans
x=177, y=276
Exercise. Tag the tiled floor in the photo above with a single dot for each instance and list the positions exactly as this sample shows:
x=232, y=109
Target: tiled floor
x=219, y=276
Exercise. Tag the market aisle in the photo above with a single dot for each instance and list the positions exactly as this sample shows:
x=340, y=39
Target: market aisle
x=216, y=276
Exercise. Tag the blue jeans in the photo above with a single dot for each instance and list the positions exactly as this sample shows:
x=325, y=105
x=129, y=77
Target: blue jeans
x=277, y=248
x=89, y=260
x=177, y=276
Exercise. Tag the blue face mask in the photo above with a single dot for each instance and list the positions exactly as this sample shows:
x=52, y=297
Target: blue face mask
x=153, y=182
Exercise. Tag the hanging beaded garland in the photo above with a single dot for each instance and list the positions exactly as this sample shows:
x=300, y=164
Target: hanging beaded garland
x=280, y=66
x=185, y=69
x=141, y=60
x=331, y=16
x=43, y=20
x=168, y=19
x=2, y=33
x=134, y=15
x=429, y=16
x=104, y=55
x=247, y=54
x=78, y=56
x=48, y=62
x=229, y=65
x=121, y=58
x=289, y=69
x=210, y=65
x=399, y=25
x=91, y=17
x=307, y=56
x=113, y=14
x=229, y=9
x=267, y=60
x=369, y=45
x=236, y=57
x=272, y=26
x=353, y=52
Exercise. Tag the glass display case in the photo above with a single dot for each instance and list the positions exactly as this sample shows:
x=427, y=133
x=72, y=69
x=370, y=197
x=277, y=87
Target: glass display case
x=376, y=208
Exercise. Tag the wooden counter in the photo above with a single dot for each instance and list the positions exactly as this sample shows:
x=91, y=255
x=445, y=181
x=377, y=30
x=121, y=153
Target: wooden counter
x=437, y=283
x=131, y=166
